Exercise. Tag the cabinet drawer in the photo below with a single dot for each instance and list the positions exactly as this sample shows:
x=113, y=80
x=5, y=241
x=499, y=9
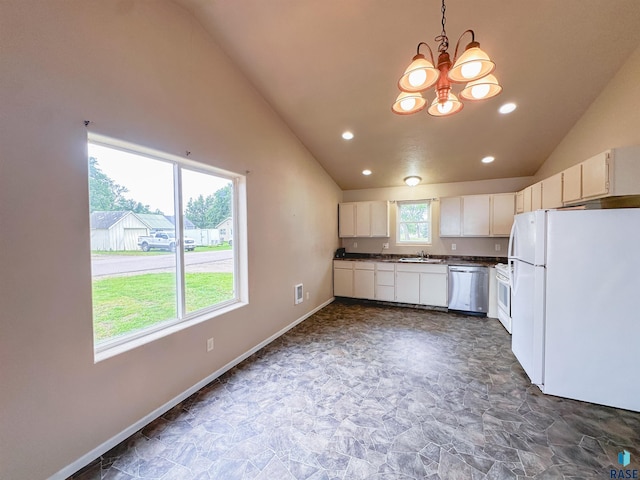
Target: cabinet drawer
x=422, y=268
x=385, y=278
x=363, y=265
x=385, y=266
x=343, y=264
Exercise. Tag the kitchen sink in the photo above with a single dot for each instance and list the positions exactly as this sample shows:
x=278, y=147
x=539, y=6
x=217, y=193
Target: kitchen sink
x=420, y=260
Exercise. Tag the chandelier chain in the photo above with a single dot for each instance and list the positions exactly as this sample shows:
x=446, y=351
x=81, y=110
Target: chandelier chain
x=442, y=38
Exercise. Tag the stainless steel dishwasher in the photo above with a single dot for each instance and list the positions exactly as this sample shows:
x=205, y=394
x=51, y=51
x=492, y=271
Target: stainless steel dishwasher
x=469, y=289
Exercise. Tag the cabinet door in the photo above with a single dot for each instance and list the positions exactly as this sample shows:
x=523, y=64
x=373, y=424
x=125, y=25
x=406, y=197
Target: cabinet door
x=363, y=219
x=552, y=191
x=526, y=194
x=408, y=287
x=364, y=283
x=450, y=216
x=520, y=202
x=342, y=282
x=347, y=220
x=433, y=289
x=385, y=293
x=502, y=210
x=595, y=176
x=572, y=184
x=379, y=219
x=475, y=215
x=536, y=196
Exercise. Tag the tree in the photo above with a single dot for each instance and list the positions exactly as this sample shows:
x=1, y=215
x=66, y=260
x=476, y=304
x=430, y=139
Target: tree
x=210, y=211
x=107, y=195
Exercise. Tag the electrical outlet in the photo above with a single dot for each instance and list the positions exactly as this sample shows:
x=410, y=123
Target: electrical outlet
x=307, y=295
x=385, y=246
x=497, y=247
x=453, y=246
x=355, y=244
x=209, y=344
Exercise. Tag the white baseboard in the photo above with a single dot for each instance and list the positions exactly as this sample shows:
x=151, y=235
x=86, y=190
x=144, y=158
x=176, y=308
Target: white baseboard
x=127, y=432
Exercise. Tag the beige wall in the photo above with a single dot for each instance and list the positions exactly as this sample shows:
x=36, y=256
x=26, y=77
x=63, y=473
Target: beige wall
x=439, y=246
x=144, y=72
x=612, y=120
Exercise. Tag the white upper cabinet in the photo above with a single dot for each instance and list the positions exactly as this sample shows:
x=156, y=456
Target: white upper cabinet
x=363, y=219
x=536, y=196
x=450, y=216
x=477, y=215
x=552, y=191
x=379, y=219
x=595, y=176
x=526, y=202
x=347, y=220
x=572, y=184
x=502, y=211
x=611, y=173
x=520, y=202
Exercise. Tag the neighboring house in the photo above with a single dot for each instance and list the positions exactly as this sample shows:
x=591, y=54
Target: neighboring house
x=116, y=230
x=155, y=222
x=188, y=224
x=225, y=228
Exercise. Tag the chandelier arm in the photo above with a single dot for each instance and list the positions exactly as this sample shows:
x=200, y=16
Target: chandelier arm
x=430, y=51
x=473, y=39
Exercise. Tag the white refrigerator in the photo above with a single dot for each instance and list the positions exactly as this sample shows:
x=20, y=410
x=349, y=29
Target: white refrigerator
x=575, y=303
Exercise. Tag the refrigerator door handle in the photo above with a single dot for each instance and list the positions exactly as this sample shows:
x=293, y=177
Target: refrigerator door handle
x=510, y=252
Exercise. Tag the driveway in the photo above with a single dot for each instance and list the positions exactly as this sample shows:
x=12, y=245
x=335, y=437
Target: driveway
x=120, y=265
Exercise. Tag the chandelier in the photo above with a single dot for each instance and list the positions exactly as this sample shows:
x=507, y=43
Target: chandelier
x=473, y=67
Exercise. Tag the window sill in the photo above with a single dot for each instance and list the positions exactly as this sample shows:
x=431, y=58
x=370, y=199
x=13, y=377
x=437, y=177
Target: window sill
x=105, y=352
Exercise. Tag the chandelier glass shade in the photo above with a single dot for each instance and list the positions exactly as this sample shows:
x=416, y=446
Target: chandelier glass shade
x=473, y=67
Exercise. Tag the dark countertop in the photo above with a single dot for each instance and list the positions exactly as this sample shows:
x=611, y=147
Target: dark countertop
x=446, y=259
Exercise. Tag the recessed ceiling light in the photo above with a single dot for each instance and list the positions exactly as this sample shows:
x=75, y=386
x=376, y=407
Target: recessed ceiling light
x=412, y=181
x=488, y=159
x=507, y=108
x=347, y=135
x=366, y=172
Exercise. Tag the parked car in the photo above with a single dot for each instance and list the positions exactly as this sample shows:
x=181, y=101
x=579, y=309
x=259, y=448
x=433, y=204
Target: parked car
x=164, y=241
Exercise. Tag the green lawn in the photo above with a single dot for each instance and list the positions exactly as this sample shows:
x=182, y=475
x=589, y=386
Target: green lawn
x=125, y=304
x=138, y=253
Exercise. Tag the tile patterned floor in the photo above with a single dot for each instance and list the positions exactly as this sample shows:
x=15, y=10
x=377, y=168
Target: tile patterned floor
x=359, y=391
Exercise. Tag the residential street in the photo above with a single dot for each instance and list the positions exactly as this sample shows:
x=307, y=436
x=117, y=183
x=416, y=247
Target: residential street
x=116, y=265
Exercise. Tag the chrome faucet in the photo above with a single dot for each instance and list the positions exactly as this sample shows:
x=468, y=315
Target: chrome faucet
x=423, y=255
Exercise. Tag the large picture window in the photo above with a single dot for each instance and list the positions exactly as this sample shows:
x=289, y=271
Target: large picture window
x=158, y=256
x=414, y=222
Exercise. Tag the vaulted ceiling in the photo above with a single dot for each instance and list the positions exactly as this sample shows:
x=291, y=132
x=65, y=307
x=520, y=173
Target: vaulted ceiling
x=327, y=66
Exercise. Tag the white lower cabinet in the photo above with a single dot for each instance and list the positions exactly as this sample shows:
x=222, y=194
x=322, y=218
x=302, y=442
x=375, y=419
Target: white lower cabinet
x=343, y=278
x=391, y=282
x=422, y=284
x=385, y=282
x=364, y=280
x=408, y=287
x=433, y=289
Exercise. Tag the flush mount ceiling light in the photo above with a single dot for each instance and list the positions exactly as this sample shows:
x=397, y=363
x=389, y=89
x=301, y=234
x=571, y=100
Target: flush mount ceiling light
x=473, y=67
x=366, y=172
x=412, y=181
x=347, y=135
x=488, y=159
x=507, y=108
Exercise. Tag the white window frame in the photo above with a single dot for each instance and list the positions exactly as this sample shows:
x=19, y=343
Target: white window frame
x=428, y=241
x=108, y=348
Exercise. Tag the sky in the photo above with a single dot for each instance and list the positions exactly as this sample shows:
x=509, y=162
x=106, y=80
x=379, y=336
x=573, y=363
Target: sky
x=150, y=182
